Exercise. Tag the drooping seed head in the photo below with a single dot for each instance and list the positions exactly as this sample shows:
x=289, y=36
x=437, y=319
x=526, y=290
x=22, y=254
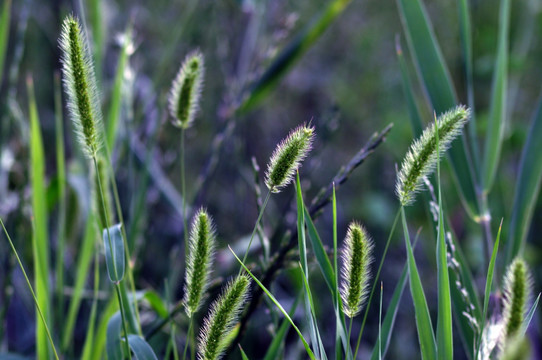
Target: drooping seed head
x=199, y=261
x=357, y=257
x=421, y=159
x=287, y=157
x=221, y=319
x=186, y=89
x=98, y=202
x=517, y=292
x=80, y=86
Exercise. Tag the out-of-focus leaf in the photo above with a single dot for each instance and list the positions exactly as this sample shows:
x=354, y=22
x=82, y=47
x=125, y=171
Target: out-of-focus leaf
x=114, y=252
x=141, y=349
x=113, y=345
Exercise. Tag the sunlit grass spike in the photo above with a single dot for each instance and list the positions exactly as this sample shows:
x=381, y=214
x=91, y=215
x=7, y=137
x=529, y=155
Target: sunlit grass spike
x=80, y=86
x=186, y=89
x=357, y=257
x=421, y=159
x=221, y=319
x=288, y=156
x=199, y=261
x=517, y=293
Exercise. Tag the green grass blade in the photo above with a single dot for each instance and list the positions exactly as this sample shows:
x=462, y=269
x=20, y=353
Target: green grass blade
x=86, y=251
x=101, y=330
x=291, y=53
x=445, y=347
x=424, y=326
x=329, y=277
x=466, y=43
x=305, y=270
x=61, y=175
x=438, y=85
x=413, y=110
x=4, y=34
x=497, y=115
x=95, y=12
x=530, y=315
x=489, y=282
x=141, y=349
x=36, y=302
x=40, y=242
x=527, y=188
x=115, y=106
x=243, y=355
x=272, y=352
x=113, y=347
x=391, y=314
x=89, y=338
x=114, y=253
x=278, y=305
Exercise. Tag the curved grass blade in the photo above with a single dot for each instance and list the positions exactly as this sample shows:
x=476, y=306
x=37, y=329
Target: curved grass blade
x=114, y=253
x=438, y=85
x=529, y=316
x=278, y=305
x=141, y=349
x=36, y=302
x=389, y=318
x=497, y=115
x=424, y=326
x=309, y=307
x=40, y=243
x=112, y=347
x=272, y=352
x=527, y=188
x=291, y=53
x=243, y=355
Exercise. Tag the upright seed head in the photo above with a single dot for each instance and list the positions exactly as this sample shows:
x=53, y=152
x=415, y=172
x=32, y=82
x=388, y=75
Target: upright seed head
x=185, y=91
x=357, y=257
x=421, y=159
x=221, y=319
x=80, y=86
x=287, y=157
x=517, y=292
x=199, y=261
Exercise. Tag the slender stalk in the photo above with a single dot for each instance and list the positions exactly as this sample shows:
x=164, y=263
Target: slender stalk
x=183, y=193
x=188, y=337
x=376, y=281
x=117, y=286
x=31, y=290
x=255, y=228
x=350, y=329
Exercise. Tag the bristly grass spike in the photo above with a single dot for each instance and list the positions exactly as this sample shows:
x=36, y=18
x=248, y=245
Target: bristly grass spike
x=80, y=85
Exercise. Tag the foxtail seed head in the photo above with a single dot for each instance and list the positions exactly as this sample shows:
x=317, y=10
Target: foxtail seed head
x=186, y=90
x=287, y=157
x=421, y=159
x=221, y=318
x=517, y=292
x=80, y=86
x=199, y=261
x=357, y=257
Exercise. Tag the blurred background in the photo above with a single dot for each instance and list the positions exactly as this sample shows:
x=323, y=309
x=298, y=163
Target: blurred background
x=347, y=84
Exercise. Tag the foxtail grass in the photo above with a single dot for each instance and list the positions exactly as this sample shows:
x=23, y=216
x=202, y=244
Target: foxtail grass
x=421, y=159
x=287, y=157
x=517, y=292
x=222, y=318
x=357, y=258
x=80, y=85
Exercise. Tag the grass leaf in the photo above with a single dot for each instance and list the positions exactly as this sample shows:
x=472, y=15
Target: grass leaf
x=40, y=242
x=497, y=115
x=527, y=188
x=424, y=326
x=141, y=349
x=278, y=305
x=114, y=253
x=272, y=352
x=113, y=348
x=4, y=34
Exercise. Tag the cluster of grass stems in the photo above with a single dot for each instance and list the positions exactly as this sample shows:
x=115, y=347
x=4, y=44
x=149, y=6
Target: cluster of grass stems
x=118, y=332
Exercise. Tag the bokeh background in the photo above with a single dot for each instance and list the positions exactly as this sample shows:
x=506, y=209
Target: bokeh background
x=348, y=85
